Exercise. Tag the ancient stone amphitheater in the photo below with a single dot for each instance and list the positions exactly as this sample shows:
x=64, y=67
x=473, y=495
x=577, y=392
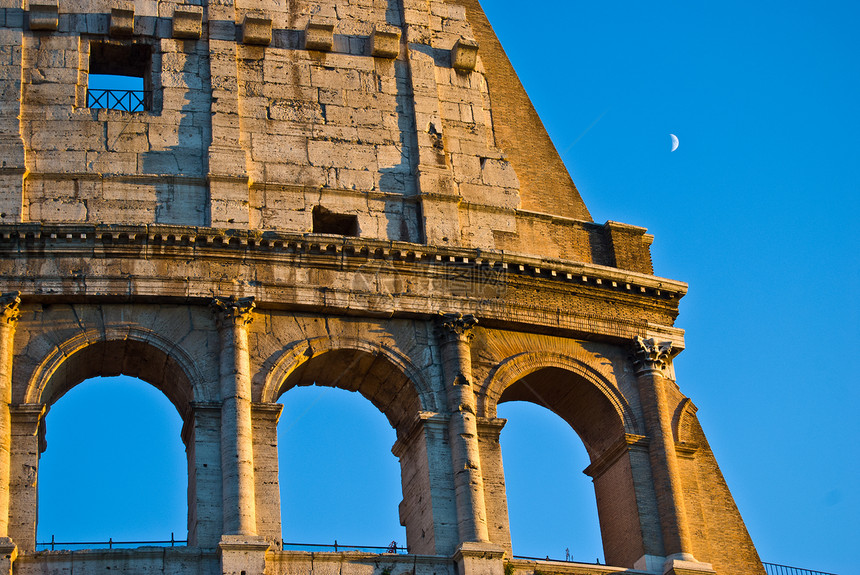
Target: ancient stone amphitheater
x=352, y=193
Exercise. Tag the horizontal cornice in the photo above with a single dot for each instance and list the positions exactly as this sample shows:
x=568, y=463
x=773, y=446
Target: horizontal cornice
x=412, y=279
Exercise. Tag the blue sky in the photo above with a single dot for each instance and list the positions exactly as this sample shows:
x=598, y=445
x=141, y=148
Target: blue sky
x=757, y=210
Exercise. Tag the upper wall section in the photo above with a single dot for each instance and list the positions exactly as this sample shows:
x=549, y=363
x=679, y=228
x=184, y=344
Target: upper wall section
x=399, y=120
x=545, y=184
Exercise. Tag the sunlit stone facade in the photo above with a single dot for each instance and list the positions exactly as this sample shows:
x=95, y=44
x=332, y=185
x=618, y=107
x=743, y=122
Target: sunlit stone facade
x=352, y=193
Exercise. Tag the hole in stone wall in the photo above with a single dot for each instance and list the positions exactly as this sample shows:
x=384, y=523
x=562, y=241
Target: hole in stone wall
x=328, y=222
x=338, y=478
x=551, y=503
x=120, y=76
x=115, y=466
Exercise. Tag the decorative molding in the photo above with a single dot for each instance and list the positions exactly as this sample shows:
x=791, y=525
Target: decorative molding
x=234, y=310
x=491, y=426
x=9, y=302
x=650, y=355
x=686, y=450
x=458, y=326
x=630, y=442
x=428, y=422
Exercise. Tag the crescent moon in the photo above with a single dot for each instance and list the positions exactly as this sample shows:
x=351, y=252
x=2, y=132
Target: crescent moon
x=674, y=142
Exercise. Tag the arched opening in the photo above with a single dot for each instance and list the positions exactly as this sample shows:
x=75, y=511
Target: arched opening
x=114, y=467
x=546, y=460
x=551, y=504
x=109, y=411
x=338, y=477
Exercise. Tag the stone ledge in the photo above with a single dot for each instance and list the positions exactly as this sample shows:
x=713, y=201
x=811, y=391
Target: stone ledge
x=326, y=246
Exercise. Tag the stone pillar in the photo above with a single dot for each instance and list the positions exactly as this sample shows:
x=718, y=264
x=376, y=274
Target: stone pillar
x=267, y=491
x=12, y=154
x=440, y=200
x=205, y=500
x=493, y=474
x=27, y=445
x=428, y=510
x=8, y=554
x=8, y=320
x=455, y=335
x=649, y=359
x=237, y=452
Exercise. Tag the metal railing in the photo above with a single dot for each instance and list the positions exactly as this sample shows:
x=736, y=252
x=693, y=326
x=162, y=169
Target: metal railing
x=776, y=569
x=570, y=559
x=53, y=545
x=125, y=100
x=390, y=548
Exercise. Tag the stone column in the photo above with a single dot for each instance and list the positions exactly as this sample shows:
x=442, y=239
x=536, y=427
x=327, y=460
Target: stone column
x=28, y=442
x=649, y=359
x=267, y=488
x=493, y=474
x=8, y=320
x=428, y=510
x=205, y=503
x=237, y=452
x=455, y=335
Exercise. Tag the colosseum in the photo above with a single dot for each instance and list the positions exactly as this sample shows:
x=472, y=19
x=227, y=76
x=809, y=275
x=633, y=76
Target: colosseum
x=352, y=193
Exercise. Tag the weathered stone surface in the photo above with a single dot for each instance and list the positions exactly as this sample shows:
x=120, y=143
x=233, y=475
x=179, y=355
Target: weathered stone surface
x=44, y=15
x=343, y=193
x=385, y=42
x=122, y=20
x=257, y=30
x=464, y=55
x=187, y=22
x=319, y=36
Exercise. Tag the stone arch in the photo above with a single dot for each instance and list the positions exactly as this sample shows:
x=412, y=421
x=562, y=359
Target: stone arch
x=112, y=350
x=595, y=408
x=128, y=350
x=387, y=378
x=564, y=375
x=684, y=420
x=390, y=381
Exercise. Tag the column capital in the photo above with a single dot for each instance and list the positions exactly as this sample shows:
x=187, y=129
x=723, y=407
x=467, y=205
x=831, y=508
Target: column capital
x=457, y=326
x=650, y=355
x=9, y=312
x=233, y=310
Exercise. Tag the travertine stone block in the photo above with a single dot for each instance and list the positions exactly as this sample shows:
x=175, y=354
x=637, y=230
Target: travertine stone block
x=319, y=36
x=44, y=15
x=188, y=22
x=385, y=42
x=122, y=20
x=464, y=55
x=257, y=30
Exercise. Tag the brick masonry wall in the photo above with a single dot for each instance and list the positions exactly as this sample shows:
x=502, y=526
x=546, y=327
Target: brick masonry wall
x=254, y=136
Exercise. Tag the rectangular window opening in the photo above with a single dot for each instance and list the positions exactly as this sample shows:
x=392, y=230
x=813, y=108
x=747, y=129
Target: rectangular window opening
x=328, y=222
x=120, y=77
